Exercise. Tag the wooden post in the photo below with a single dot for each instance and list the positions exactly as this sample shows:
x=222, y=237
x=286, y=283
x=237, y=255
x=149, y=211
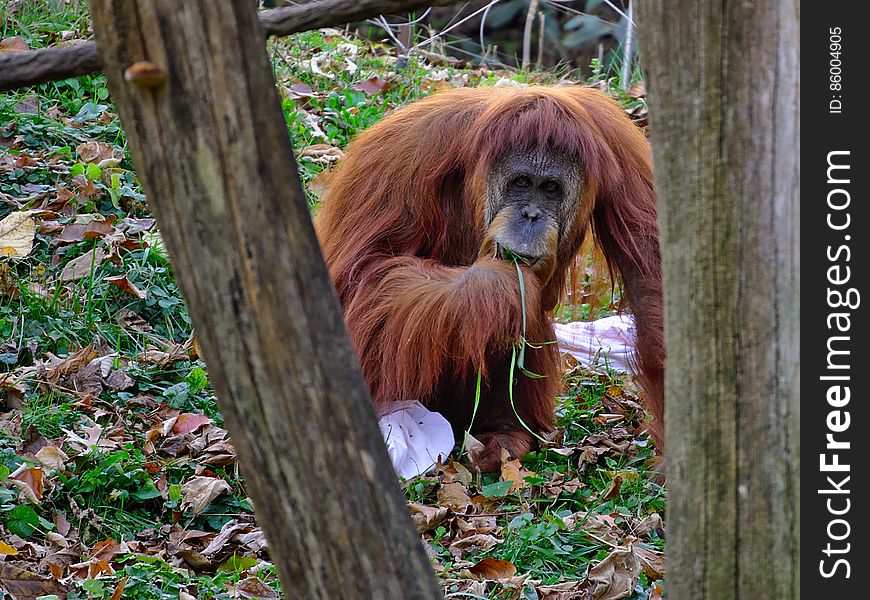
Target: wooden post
x=723, y=80
x=205, y=128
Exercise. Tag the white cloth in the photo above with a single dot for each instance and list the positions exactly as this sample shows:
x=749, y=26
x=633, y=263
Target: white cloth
x=607, y=342
x=415, y=438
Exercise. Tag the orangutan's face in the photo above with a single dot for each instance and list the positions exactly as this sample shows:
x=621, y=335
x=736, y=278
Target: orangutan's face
x=530, y=200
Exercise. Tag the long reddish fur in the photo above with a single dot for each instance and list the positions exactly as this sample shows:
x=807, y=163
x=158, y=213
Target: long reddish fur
x=401, y=227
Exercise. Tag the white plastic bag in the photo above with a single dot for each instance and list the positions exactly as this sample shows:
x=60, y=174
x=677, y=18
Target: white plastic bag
x=607, y=342
x=415, y=438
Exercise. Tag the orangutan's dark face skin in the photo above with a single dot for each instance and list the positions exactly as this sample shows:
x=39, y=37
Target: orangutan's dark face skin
x=530, y=199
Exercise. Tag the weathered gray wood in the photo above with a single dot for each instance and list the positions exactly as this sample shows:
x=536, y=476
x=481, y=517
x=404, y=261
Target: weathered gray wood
x=21, y=69
x=213, y=152
x=724, y=81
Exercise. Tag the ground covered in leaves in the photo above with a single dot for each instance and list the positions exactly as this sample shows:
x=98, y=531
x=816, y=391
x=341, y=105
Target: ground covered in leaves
x=117, y=478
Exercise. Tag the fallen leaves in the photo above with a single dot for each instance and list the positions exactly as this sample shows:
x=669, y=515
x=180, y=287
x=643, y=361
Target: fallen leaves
x=198, y=492
x=28, y=480
x=454, y=496
x=427, y=518
x=17, y=230
x=93, y=228
x=491, y=568
x=7, y=550
x=83, y=265
x=102, y=154
x=121, y=281
x=14, y=44
x=322, y=154
x=23, y=583
x=372, y=85
x=616, y=576
x=512, y=470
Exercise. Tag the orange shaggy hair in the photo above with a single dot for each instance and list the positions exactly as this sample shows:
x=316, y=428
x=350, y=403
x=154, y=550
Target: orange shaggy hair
x=402, y=225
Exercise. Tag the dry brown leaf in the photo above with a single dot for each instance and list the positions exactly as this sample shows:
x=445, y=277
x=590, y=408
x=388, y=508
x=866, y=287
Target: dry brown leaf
x=491, y=568
x=230, y=530
x=127, y=319
x=188, y=423
x=29, y=481
x=254, y=587
x=612, y=490
x=15, y=43
x=71, y=364
x=76, y=232
x=315, y=67
x=132, y=226
x=474, y=448
x=61, y=522
x=81, y=267
x=557, y=485
x=163, y=358
x=653, y=562
x=87, y=380
x=603, y=526
x=372, y=85
x=477, y=524
x=427, y=518
x=637, y=90
x=106, y=550
x=322, y=154
x=98, y=152
x=651, y=523
x=254, y=540
x=453, y=471
x=198, y=492
x=122, y=282
x=52, y=458
x=482, y=541
x=25, y=584
x=568, y=590
x=119, y=380
x=299, y=91
x=17, y=231
x=454, y=496
x=84, y=444
x=616, y=576
x=512, y=470
x=119, y=589
x=85, y=187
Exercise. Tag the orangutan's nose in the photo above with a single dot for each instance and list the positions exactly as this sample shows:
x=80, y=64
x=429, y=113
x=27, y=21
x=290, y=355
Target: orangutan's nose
x=531, y=212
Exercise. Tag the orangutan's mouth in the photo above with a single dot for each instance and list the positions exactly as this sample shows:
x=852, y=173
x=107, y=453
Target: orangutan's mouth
x=505, y=253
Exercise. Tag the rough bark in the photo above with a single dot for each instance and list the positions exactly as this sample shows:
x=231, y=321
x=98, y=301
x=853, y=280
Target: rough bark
x=212, y=149
x=724, y=81
x=20, y=69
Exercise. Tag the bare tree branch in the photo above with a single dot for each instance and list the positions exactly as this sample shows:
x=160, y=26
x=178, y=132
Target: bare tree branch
x=527, y=33
x=22, y=69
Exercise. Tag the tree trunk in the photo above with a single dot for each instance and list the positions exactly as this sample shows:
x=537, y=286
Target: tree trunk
x=212, y=149
x=723, y=89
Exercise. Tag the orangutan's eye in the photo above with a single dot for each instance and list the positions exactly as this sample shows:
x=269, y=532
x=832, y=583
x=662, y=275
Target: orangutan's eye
x=522, y=182
x=550, y=186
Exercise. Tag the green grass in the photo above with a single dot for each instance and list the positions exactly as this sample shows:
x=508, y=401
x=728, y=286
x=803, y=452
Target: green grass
x=129, y=488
